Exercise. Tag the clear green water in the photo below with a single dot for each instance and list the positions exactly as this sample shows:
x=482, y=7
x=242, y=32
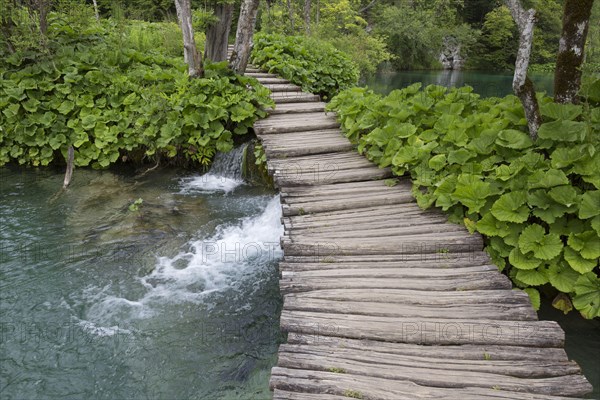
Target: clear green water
x=486, y=84
x=179, y=300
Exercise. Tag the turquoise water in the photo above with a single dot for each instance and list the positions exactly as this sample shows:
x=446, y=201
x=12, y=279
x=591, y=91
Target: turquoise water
x=178, y=300
x=486, y=84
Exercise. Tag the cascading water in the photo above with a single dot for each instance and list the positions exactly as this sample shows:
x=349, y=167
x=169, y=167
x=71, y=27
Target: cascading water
x=225, y=174
x=136, y=310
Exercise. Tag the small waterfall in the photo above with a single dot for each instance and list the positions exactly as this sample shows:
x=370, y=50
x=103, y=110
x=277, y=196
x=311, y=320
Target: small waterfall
x=229, y=165
x=225, y=174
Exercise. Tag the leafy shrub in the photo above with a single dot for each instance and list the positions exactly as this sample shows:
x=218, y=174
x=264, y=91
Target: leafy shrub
x=536, y=203
x=315, y=65
x=116, y=103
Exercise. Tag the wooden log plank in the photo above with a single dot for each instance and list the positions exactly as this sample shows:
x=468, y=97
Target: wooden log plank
x=283, y=88
x=469, y=352
x=439, y=263
x=294, y=98
x=337, y=187
x=300, y=151
x=285, y=395
x=449, y=259
x=334, y=176
x=489, y=311
x=353, y=231
x=427, y=331
x=292, y=108
x=563, y=384
x=266, y=80
x=418, y=297
x=254, y=74
x=520, y=368
x=417, y=244
x=477, y=281
x=372, y=388
x=299, y=125
x=346, y=204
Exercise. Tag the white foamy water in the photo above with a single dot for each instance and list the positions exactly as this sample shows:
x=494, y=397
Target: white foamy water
x=209, y=183
x=235, y=253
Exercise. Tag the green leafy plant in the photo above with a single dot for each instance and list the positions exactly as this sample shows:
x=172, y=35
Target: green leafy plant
x=110, y=101
x=313, y=64
x=536, y=203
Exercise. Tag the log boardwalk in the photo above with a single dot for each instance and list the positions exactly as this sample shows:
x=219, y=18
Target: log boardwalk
x=383, y=300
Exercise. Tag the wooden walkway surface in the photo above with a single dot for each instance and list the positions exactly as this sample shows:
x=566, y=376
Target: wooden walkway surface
x=383, y=300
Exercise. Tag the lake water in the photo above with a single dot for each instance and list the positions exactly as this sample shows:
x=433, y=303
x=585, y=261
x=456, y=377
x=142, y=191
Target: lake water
x=486, y=84
x=177, y=300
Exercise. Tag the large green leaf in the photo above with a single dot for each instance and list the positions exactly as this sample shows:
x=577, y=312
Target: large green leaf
x=562, y=277
x=511, y=207
x=533, y=277
x=521, y=261
x=587, y=295
x=534, y=239
x=534, y=297
x=471, y=192
x=547, y=179
x=586, y=243
x=566, y=195
x=579, y=263
x=565, y=131
x=490, y=226
x=513, y=139
x=567, y=112
x=589, y=204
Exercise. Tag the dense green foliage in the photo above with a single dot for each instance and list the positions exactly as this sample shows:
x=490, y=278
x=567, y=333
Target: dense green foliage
x=313, y=64
x=114, y=97
x=535, y=202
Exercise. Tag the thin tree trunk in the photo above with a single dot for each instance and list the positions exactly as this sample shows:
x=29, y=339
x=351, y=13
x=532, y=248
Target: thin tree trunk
x=571, y=51
x=70, y=163
x=190, y=51
x=178, y=11
x=96, y=10
x=291, y=14
x=522, y=85
x=307, y=16
x=318, y=15
x=243, y=36
x=217, y=34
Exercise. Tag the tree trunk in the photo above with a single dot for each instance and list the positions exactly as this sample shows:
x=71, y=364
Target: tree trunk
x=571, y=51
x=70, y=164
x=318, y=15
x=522, y=85
x=217, y=34
x=96, y=10
x=190, y=51
x=291, y=14
x=243, y=37
x=307, y=16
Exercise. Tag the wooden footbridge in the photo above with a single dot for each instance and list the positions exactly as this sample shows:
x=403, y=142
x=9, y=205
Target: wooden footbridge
x=383, y=300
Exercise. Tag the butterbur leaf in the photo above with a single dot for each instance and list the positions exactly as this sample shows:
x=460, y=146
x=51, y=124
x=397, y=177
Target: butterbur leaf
x=66, y=107
x=561, y=111
x=564, y=131
x=577, y=262
x=545, y=247
x=534, y=297
x=521, y=261
x=490, y=226
x=437, y=162
x=533, y=277
x=566, y=195
x=562, y=276
x=586, y=243
x=547, y=179
x=460, y=156
x=511, y=207
x=513, y=139
x=563, y=303
x=589, y=204
x=596, y=224
x=587, y=295
x=471, y=192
